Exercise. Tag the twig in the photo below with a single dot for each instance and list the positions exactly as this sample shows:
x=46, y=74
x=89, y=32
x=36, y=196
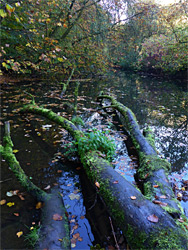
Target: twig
x=114, y=233
x=6, y=180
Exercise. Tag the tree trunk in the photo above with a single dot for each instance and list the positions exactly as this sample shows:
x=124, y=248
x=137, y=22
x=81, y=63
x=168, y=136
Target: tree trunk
x=51, y=231
x=144, y=224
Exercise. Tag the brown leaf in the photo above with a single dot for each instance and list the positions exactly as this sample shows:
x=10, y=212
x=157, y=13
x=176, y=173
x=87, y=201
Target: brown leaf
x=153, y=218
x=39, y=205
x=82, y=217
x=59, y=171
x=21, y=197
x=164, y=204
x=155, y=186
x=2, y=202
x=115, y=182
x=57, y=217
x=46, y=188
x=80, y=239
x=16, y=214
x=76, y=235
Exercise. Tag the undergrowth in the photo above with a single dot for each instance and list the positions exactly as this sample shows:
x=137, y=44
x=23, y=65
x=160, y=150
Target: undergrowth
x=95, y=140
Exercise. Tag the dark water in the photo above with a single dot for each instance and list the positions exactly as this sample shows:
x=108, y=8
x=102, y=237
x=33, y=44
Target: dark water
x=160, y=104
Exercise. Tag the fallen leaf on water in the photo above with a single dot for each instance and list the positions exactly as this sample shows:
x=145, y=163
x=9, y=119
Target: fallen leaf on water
x=153, y=218
x=59, y=171
x=39, y=205
x=97, y=184
x=10, y=204
x=75, y=227
x=155, y=186
x=76, y=191
x=2, y=202
x=115, y=182
x=73, y=242
x=57, y=217
x=15, y=151
x=74, y=196
x=163, y=197
x=19, y=234
x=9, y=194
x=60, y=240
x=76, y=235
x=82, y=217
x=80, y=239
x=46, y=188
x=68, y=185
x=16, y=214
x=133, y=197
x=21, y=197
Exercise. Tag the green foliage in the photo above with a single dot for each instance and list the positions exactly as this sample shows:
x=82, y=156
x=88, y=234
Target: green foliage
x=92, y=141
x=164, y=53
x=33, y=236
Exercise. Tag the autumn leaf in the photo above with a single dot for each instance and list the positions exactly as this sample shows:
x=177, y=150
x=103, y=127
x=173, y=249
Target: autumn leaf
x=16, y=214
x=80, y=239
x=15, y=151
x=2, y=202
x=97, y=184
x=57, y=217
x=133, y=197
x=163, y=197
x=115, y=182
x=46, y=188
x=39, y=205
x=10, y=204
x=82, y=217
x=74, y=196
x=19, y=234
x=155, y=186
x=153, y=218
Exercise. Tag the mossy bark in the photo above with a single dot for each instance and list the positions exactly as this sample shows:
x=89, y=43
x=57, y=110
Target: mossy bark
x=130, y=214
x=50, y=201
x=153, y=170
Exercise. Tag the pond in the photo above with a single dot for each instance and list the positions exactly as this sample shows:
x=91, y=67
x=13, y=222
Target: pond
x=161, y=104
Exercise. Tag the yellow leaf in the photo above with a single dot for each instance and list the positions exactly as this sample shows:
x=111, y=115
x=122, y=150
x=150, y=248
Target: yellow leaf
x=3, y=13
x=97, y=184
x=38, y=205
x=15, y=151
x=19, y=234
x=60, y=59
x=10, y=204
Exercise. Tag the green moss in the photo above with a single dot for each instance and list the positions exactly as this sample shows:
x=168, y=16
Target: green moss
x=151, y=163
x=148, y=133
x=136, y=241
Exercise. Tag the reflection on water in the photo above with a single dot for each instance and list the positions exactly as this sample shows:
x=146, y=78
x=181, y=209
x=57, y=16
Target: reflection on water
x=161, y=104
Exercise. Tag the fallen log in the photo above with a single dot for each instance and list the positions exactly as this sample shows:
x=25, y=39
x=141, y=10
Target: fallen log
x=144, y=224
x=52, y=203
x=153, y=170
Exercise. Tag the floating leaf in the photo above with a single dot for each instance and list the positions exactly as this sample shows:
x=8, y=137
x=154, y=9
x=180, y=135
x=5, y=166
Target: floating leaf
x=155, y=186
x=76, y=235
x=19, y=234
x=16, y=214
x=2, y=202
x=21, y=197
x=153, y=218
x=163, y=197
x=59, y=171
x=115, y=182
x=82, y=217
x=74, y=196
x=57, y=217
x=39, y=205
x=10, y=204
x=48, y=187
x=97, y=184
x=80, y=239
x=133, y=197
x=15, y=151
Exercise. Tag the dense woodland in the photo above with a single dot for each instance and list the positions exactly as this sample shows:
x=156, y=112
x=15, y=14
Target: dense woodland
x=53, y=37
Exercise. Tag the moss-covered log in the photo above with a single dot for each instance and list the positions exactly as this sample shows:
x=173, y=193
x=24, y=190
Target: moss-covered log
x=51, y=231
x=145, y=224
x=153, y=170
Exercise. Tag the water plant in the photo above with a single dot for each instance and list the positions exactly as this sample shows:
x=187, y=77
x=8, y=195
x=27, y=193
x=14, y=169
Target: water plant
x=33, y=236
